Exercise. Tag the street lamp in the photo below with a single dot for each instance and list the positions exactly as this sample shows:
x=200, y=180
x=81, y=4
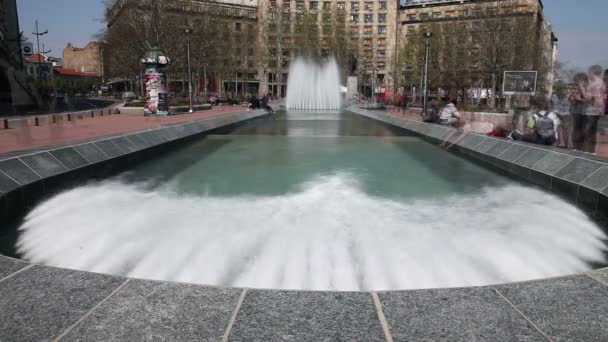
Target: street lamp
x=205, y=75
x=374, y=81
x=38, y=34
x=189, y=32
x=425, y=85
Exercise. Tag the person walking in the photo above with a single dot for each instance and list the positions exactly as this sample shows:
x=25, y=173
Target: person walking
x=579, y=101
x=595, y=109
x=606, y=93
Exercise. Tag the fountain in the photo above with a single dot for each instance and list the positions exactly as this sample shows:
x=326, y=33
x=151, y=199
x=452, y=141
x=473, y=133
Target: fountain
x=313, y=86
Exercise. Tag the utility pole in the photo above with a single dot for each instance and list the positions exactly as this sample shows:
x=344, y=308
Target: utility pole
x=38, y=34
x=374, y=81
x=427, y=50
x=205, y=75
x=188, y=33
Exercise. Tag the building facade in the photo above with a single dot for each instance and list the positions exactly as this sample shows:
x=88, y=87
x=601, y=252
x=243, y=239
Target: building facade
x=262, y=37
x=85, y=60
x=523, y=39
x=16, y=89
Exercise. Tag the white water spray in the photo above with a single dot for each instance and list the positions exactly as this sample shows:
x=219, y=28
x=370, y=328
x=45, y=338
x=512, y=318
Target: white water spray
x=329, y=235
x=313, y=86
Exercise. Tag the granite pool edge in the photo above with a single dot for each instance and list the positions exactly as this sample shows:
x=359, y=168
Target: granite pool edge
x=578, y=177
x=48, y=303
x=28, y=176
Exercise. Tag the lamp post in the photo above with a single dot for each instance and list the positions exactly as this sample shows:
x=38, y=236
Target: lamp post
x=188, y=32
x=375, y=80
x=425, y=85
x=38, y=34
x=205, y=76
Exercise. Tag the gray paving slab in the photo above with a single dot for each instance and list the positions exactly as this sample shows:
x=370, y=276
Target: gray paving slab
x=155, y=311
x=437, y=131
x=602, y=275
x=598, y=180
x=125, y=144
x=44, y=164
x=9, y=266
x=191, y=128
x=531, y=157
x=454, y=136
x=471, y=140
x=466, y=314
x=40, y=303
x=499, y=148
x=164, y=134
x=69, y=157
x=7, y=184
x=566, y=309
x=202, y=125
x=552, y=163
x=307, y=316
x=91, y=152
x=171, y=132
x=109, y=148
x=485, y=145
x=514, y=152
x=150, y=137
x=578, y=170
x=137, y=140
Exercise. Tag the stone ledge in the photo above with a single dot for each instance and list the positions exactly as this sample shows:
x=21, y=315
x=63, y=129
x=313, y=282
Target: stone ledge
x=45, y=303
x=576, y=176
x=44, y=166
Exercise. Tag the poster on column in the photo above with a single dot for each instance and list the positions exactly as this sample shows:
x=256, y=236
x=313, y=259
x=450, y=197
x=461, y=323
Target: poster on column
x=157, y=92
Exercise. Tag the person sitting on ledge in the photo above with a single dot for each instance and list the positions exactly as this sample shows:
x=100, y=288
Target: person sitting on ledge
x=432, y=115
x=544, y=124
x=449, y=115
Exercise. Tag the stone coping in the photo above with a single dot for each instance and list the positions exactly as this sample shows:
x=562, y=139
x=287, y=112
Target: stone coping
x=28, y=176
x=41, y=303
x=578, y=177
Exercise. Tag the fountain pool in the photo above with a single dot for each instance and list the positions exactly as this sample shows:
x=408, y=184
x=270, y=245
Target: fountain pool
x=314, y=201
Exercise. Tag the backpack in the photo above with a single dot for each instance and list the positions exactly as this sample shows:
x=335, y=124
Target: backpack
x=545, y=126
x=432, y=115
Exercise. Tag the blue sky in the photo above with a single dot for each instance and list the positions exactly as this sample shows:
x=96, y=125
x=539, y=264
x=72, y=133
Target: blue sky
x=581, y=25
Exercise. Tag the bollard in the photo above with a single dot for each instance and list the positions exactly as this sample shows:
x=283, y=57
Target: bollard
x=41, y=120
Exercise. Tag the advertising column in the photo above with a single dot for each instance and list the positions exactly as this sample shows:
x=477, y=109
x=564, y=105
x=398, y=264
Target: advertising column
x=155, y=80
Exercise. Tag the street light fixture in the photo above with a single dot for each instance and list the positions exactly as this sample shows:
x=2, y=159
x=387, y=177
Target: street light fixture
x=38, y=34
x=427, y=50
x=189, y=32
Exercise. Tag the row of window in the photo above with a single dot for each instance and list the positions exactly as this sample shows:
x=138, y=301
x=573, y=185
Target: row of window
x=465, y=13
x=368, y=18
x=285, y=64
x=314, y=5
x=368, y=30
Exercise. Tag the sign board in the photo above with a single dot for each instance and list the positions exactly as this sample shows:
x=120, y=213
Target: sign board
x=519, y=83
x=27, y=49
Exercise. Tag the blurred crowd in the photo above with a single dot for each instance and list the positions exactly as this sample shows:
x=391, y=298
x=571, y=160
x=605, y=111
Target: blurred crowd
x=568, y=118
